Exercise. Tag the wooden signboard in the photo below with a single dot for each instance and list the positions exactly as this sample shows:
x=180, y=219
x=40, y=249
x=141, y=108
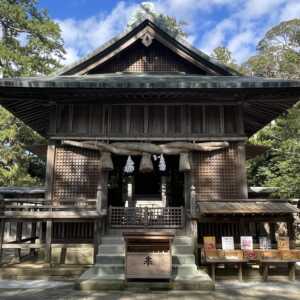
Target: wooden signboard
x=283, y=243
x=227, y=243
x=209, y=243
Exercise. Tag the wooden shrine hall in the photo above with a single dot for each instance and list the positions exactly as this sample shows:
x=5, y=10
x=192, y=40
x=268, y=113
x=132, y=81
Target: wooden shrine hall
x=147, y=144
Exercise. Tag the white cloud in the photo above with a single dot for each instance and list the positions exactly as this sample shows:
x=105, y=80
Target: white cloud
x=243, y=24
x=240, y=45
x=83, y=36
x=217, y=36
x=259, y=8
x=290, y=11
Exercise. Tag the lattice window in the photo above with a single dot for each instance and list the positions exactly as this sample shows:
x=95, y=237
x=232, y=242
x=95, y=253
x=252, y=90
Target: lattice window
x=155, y=58
x=77, y=173
x=217, y=174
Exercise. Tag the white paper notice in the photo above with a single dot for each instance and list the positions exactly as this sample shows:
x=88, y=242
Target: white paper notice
x=246, y=243
x=227, y=243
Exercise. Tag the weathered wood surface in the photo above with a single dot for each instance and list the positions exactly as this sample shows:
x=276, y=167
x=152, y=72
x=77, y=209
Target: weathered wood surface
x=147, y=121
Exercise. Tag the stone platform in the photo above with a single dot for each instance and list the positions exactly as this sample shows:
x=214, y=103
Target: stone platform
x=108, y=271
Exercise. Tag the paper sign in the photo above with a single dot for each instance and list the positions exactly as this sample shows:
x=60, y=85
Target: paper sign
x=209, y=242
x=246, y=243
x=283, y=243
x=227, y=243
x=264, y=242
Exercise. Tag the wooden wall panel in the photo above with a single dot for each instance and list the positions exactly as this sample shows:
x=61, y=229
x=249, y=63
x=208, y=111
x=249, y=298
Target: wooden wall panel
x=81, y=117
x=155, y=58
x=156, y=120
x=218, y=175
x=137, y=119
x=118, y=120
x=76, y=174
x=174, y=119
x=146, y=120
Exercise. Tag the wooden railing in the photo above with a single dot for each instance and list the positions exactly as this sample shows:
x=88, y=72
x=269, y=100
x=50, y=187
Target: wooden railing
x=42, y=208
x=163, y=217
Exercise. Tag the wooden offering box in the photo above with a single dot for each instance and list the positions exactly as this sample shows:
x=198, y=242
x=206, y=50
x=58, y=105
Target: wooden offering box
x=148, y=255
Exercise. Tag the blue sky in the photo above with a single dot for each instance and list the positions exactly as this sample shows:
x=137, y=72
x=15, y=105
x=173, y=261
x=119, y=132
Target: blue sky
x=236, y=24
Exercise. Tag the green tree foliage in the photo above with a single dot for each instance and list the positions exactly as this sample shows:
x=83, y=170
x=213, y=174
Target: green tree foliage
x=30, y=44
x=224, y=56
x=278, y=52
x=279, y=56
x=170, y=24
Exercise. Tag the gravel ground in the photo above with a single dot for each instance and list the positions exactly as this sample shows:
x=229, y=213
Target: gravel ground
x=227, y=290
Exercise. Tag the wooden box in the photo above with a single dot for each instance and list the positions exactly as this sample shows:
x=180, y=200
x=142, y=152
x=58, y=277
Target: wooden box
x=290, y=254
x=233, y=255
x=148, y=255
x=271, y=255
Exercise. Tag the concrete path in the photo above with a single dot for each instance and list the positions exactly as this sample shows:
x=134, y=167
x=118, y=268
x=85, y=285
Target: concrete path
x=227, y=290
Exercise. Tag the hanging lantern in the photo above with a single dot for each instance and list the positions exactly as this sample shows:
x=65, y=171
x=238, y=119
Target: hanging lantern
x=146, y=165
x=106, y=163
x=162, y=164
x=184, y=162
x=129, y=167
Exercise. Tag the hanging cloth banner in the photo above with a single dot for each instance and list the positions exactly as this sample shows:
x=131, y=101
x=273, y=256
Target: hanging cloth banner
x=146, y=165
x=129, y=167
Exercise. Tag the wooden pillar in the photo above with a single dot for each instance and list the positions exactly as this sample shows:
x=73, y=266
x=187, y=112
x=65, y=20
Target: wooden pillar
x=292, y=271
x=242, y=170
x=48, y=241
x=291, y=231
x=240, y=271
x=164, y=191
x=2, y=224
x=193, y=202
x=2, y=227
x=96, y=237
x=130, y=199
x=50, y=170
x=194, y=234
x=19, y=231
x=213, y=273
x=187, y=190
x=33, y=235
x=265, y=267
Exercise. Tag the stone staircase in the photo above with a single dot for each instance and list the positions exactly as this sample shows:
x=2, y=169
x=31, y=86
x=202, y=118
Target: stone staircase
x=108, y=271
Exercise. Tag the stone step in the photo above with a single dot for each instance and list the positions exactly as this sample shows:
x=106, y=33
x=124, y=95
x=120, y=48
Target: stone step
x=111, y=249
x=182, y=249
x=101, y=284
x=183, y=240
x=105, y=259
x=182, y=259
x=185, y=270
x=110, y=270
x=112, y=240
x=55, y=273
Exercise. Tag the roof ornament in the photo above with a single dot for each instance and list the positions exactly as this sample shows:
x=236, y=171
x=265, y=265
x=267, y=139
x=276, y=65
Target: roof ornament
x=147, y=39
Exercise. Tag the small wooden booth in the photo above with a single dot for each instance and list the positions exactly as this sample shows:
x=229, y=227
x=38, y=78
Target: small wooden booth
x=148, y=255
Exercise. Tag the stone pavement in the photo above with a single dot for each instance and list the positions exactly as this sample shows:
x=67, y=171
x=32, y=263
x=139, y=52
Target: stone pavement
x=226, y=290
